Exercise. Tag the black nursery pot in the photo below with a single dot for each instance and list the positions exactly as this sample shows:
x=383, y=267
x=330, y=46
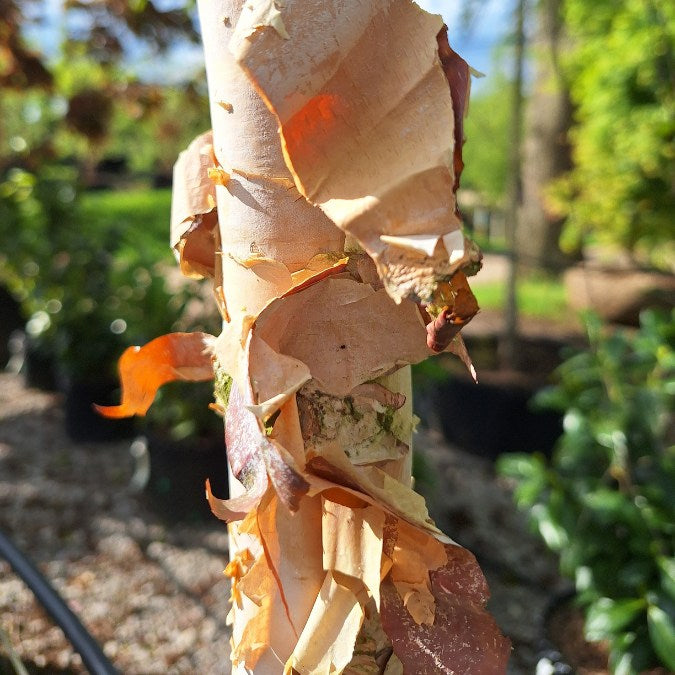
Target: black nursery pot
x=10, y=321
x=495, y=415
x=490, y=419
x=178, y=472
x=83, y=423
x=39, y=370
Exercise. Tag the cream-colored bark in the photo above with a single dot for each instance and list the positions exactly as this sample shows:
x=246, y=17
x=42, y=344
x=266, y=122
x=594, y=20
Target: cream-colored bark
x=336, y=219
x=261, y=215
x=336, y=126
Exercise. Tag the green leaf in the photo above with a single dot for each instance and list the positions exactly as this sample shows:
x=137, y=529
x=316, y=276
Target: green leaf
x=520, y=466
x=662, y=634
x=606, y=617
x=551, y=398
x=621, y=662
x=550, y=530
x=637, y=571
x=632, y=653
x=667, y=567
x=528, y=491
x=609, y=506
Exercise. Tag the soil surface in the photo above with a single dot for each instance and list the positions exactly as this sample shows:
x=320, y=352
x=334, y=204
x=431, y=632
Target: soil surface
x=152, y=593
x=566, y=628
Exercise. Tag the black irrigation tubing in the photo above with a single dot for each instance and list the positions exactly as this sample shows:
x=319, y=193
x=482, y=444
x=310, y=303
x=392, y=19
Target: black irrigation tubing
x=92, y=656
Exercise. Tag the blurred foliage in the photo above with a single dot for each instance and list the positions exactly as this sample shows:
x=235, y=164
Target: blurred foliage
x=152, y=137
x=487, y=139
x=90, y=115
x=20, y=66
x=606, y=503
x=538, y=295
x=93, y=272
x=621, y=72
x=89, y=105
x=181, y=411
x=96, y=277
x=105, y=26
x=104, y=29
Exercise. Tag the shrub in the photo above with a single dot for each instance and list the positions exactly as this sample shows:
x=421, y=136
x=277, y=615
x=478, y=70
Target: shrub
x=606, y=502
x=619, y=69
x=91, y=281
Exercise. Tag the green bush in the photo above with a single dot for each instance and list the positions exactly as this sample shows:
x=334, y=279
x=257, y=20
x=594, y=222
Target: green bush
x=620, y=71
x=606, y=502
x=93, y=274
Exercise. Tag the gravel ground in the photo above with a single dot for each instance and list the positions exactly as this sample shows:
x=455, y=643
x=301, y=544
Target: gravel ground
x=153, y=594
x=476, y=509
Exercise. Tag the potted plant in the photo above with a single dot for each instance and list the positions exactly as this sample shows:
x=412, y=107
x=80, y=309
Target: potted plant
x=605, y=503
x=185, y=446
x=35, y=208
x=87, y=290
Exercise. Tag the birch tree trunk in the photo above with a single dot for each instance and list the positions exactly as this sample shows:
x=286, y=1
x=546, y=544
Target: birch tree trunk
x=546, y=148
x=321, y=558
x=338, y=260
x=261, y=214
x=509, y=345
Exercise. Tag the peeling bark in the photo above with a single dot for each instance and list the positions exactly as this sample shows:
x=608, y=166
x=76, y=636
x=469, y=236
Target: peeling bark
x=338, y=261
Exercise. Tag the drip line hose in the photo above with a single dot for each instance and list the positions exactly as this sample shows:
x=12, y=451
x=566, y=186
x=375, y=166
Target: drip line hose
x=92, y=656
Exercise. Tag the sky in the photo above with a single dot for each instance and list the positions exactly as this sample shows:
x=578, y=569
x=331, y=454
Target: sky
x=475, y=42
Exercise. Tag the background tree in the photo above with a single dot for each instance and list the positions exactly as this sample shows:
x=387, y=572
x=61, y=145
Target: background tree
x=622, y=80
x=65, y=105
x=546, y=152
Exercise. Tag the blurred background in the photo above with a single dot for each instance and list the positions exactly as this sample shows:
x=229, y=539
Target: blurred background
x=557, y=469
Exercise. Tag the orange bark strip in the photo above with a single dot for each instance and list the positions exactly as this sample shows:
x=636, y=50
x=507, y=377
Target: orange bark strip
x=463, y=638
x=443, y=329
x=236, y=508
x=143, y=370
x=197, y=246
x=458, y=74
x=317, y=269
x=364, y=119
